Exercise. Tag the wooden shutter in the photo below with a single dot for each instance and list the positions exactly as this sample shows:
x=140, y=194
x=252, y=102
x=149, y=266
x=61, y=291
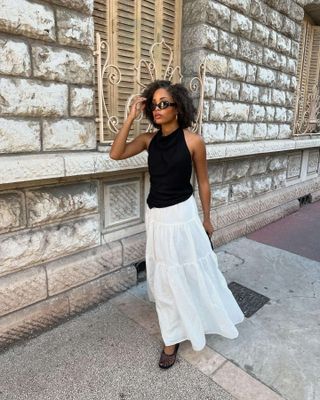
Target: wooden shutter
x=131, y=28
x=308, y=72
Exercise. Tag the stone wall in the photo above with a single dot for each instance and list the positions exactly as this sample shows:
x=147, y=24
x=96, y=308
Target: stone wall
x=252, y=49
x=54, y=261
x=57, y=257
x=46, y=76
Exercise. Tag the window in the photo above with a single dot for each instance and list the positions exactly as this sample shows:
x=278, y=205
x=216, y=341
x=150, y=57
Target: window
x=130, y=28
x=307, y=98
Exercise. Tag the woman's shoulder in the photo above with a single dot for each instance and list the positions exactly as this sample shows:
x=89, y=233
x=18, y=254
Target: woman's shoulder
x=193, y=137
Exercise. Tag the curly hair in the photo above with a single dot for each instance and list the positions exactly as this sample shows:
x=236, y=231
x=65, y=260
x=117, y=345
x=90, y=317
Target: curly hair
x=180, y=95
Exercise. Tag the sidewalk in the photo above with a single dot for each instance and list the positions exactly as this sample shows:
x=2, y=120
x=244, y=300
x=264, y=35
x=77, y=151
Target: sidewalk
x=112, y=351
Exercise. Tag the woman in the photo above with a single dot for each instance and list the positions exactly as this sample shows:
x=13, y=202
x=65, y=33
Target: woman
x=191, y=295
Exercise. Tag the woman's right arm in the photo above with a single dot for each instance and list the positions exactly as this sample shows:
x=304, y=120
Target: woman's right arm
x=120, y=149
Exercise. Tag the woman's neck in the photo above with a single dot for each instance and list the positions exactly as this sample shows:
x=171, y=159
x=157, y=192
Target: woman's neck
x=167, y=129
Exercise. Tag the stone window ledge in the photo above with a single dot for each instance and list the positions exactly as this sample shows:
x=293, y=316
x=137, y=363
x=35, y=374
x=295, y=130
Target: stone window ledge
x=24, y=168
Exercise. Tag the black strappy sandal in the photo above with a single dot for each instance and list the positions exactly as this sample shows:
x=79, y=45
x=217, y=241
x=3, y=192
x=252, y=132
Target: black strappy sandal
x=167, y=360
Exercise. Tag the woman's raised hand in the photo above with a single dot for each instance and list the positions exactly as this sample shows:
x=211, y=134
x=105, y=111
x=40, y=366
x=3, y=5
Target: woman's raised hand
x=138, y=104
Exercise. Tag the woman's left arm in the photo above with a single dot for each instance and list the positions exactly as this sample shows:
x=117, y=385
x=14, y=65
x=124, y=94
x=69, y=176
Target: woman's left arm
x=200, y=164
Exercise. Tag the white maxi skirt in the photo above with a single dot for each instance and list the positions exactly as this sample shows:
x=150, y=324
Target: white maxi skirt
x=190, y=293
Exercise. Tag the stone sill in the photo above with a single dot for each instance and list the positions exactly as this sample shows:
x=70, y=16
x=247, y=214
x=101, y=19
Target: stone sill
x=35, y=167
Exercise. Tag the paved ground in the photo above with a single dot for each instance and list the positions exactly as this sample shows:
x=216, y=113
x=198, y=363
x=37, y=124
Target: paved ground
x=112, y=351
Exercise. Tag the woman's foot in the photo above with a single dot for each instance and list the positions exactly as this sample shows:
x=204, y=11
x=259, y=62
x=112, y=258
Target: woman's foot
x=168, y=356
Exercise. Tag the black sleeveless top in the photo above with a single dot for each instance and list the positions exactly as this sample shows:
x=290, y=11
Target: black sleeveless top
x=170, y=168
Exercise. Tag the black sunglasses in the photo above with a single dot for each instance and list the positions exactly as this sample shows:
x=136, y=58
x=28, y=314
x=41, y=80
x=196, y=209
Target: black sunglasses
x=162, y=105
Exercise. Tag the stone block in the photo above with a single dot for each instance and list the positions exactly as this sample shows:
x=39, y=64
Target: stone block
x=195, y=12
x=281, y=114
x=240, y=5
x=12, y=211
x=203, y=35
x=279, y=180
x=283, y=44
x=206, y=111
x=258, y=166
x=240, y=190
x=191, y=61
x=86, y=6
x=274, y=19
x=241, y=25
x=289, y=116
x=313, y=162
x=210, y=87
x=18, y=136
x=82, y=102
x=284, y=81
x=22, y=289
x=273, y=39
x=271, y=58
x=278, y=163
x=228, y=43
x=249, y=93
x=29, y=19
x=134, y=248
x=249, y=208
x=272, y=131
x=289, y=28
x=257, y=113
x=218, y=15
x=251, y=73
x=217, y=65
x=33, y=247
x=245, y=132
x=258, y=10
x=31, y=168
x=215, y=173
x=294, y=165
x=236, y=170
x=289, y=102
x=62, y=65
x=101, y=289
x=270, y=112
x=260, y=131
x=261, y=184
x=231, y=132
x=237, y=69
x=227, y=89
x=84, y=267
x=265, y=95
x=219, y=195
x=14, y=58
x=122, y=203
x=33, y=319
x=293, y=83
x=291, y=66
x=227, y=215
x=74, y=28
x=24, y=97
x=266, y=76
x=278, y=97
x=260, y=34
x=229, y=111
x=69, y=134
x=296, y=12
x=250, y=51
x=51, y=203
x=225, y=235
